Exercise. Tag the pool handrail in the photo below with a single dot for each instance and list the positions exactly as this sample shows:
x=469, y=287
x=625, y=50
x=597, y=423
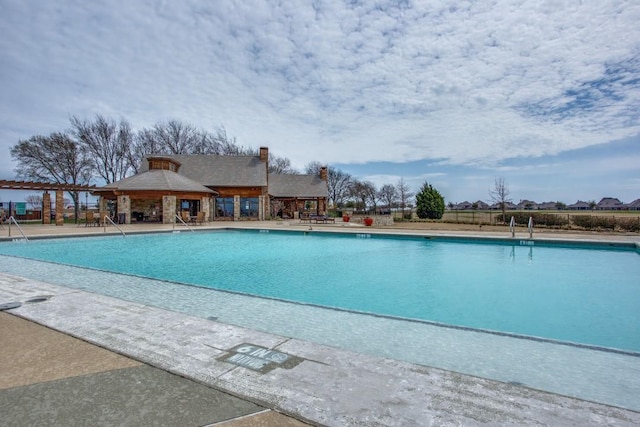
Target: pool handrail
x=11, y=218
x=512, y=227
x=182, y=221
x=530, y=227
x=105, y=219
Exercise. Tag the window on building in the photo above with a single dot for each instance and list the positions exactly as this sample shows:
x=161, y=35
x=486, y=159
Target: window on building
x=249, y=207
x=224, y=207
x=190, y=206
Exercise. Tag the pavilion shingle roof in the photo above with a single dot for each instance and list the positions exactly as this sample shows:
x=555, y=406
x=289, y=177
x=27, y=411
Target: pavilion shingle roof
x=221, y=171
x=158, y=179
x=300, y=186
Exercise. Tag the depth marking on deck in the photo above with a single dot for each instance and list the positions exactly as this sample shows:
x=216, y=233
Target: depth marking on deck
x=259, y=358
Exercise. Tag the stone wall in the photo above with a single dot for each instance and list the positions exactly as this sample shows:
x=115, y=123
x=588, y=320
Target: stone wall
x=381, y=220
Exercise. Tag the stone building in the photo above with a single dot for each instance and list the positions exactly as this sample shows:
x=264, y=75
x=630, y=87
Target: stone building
x=227, y=188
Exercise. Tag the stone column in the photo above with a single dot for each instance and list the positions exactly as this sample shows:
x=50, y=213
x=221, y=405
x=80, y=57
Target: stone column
x=59, y=207
x=236, y=208
x=124, y=208
x=168, y=209
x=102, y=209
x=205, y=203
x=46, y=208
x=322, y=206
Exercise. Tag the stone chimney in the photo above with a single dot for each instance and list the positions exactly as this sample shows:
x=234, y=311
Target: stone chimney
x=323, y=173
x=264, y=154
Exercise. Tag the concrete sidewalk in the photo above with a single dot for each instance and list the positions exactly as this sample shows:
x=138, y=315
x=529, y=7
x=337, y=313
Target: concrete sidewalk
x=49, y=378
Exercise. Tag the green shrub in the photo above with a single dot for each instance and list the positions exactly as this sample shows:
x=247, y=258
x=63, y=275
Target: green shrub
x=429, y=202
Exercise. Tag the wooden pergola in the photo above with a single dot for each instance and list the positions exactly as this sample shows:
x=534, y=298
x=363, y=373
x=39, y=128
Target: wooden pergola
x=46, y=187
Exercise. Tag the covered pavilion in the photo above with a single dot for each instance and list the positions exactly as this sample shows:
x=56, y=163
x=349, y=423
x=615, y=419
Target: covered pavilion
x=47, y=187
x=158, y=194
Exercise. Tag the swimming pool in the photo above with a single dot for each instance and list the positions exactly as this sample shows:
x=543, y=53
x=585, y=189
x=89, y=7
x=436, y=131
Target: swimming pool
x=578, y=294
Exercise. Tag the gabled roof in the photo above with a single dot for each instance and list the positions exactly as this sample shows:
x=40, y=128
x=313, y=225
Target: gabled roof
x=221, y=171
x=157, y=180
x=609, y=201
x=634, y=204
x=547, y=205
x=525, y=202
x=580, y=204
x=301, y=186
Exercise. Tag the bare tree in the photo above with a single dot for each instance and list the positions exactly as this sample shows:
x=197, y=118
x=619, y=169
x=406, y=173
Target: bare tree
x=404, y=194
x=372, y=194
x=144, y=144
x=280, y=165
x=55, y=158
x=174, y=137
x=226, y=146
x=276, y=206
x=388, y=194
x=500, y=196
x=313, y=168
x=339, y=183
x=109, y=144
x=34, y=201
x=364, y=194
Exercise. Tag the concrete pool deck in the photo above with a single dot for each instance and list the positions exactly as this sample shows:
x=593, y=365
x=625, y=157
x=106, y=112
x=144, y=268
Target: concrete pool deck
x=321, y=385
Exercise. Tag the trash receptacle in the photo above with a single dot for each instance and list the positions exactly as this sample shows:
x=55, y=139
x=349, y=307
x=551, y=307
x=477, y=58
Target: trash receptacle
x=122, y=218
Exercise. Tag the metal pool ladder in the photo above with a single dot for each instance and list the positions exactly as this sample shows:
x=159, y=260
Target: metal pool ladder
x=106, y=218
x=24, y=236
x=185, y=224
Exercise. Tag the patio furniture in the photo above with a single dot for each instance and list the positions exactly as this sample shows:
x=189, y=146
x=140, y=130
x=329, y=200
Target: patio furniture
x=200, y=218
x=91, y=220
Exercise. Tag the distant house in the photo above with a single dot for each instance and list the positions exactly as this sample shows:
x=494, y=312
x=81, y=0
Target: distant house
x=610, y=204
x=480, y=205
x=633, y=206
x=527, y=205
x=580, y=206
x=462, y=206
x=548, y=206
x=508, y=206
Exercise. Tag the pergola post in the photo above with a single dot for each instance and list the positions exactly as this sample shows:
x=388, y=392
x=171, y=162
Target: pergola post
x=46, y=208
x=59, y=207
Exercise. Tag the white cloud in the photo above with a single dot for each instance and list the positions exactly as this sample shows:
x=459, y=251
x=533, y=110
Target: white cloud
x=471, y=84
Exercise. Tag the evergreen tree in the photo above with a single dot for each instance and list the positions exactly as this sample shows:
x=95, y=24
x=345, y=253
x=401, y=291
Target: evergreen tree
x=429, y=202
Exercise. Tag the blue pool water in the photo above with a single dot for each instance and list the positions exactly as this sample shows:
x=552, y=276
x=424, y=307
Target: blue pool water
x=577, y=294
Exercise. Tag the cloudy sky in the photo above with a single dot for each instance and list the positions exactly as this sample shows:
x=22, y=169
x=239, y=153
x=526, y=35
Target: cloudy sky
x=543, y=93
